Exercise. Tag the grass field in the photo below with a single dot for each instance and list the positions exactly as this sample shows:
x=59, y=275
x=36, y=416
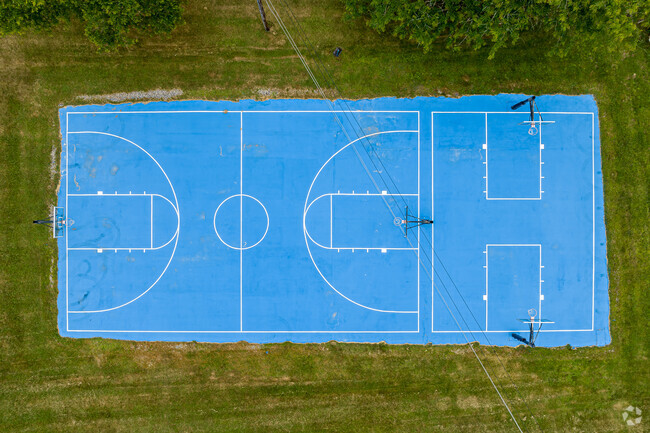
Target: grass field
x=48, y=383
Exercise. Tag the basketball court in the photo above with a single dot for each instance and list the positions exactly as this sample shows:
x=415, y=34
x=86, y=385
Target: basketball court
x=396, y=220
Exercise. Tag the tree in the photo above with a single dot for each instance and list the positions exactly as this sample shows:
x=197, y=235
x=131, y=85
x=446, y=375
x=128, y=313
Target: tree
x=612, y=25
x=108, y=23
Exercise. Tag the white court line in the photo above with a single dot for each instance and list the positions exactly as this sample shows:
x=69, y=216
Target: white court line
x=487, y=297
x=331, y=247
x=487, y=293
x=122, y=194
x=541, y=163
x=433, y=229
x=241, y=221
x=593, y=145
x=260, y=111
x=540, y=283
x=304, y=226
x=119, y=248
x=244, y=332
x=353, y=249
x=593, y=138
x=152, y=248
x=514, y=245
x=177, y=226
x=242, y=111
x=593, y=222
x=419, y=226
x=510, y=112
x=512, y=198
x=331, y=222
x=67, y=189
x=363, y=194
x=152, y=221
x=432, y=183
x=487, y=177
x=515, y=330
x=487, y=160
x=241, y=242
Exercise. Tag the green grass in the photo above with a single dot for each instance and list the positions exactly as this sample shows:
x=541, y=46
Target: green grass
x=48, y=383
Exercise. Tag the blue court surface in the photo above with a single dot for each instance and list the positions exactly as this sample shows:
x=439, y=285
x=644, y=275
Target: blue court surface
x=284, y=220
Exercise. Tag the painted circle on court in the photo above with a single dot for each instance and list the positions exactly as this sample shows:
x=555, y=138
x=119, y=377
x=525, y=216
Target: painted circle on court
x=241, y=222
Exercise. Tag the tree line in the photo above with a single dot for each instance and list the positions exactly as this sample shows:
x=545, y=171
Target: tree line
x=107, y=23
x=610, y=25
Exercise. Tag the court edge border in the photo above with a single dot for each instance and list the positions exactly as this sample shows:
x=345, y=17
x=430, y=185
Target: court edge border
x=432, y=209
x=241, y=112
x=593, y=197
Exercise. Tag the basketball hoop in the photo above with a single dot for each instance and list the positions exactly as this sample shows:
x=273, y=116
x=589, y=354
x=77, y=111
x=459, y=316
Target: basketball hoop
x=531, y=322
x=411, y=222
x=58, y=222
x=533, y=129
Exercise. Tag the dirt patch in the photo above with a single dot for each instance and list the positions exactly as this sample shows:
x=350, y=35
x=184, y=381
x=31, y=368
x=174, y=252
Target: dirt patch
x=470, y=402
x=154, y=95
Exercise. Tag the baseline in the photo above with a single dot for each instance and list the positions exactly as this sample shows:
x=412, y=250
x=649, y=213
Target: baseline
x=176, y=235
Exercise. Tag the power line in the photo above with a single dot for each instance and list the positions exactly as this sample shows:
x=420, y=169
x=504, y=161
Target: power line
x=325, y=72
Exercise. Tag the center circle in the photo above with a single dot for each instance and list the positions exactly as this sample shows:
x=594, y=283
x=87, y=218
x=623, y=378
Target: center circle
x=241, y=222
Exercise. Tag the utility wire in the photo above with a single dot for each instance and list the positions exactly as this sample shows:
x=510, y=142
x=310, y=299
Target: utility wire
x=312, y=75
x=324, y=71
